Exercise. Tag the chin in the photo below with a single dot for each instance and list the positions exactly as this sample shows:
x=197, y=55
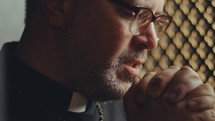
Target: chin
x=114, y=85
x=113, y=91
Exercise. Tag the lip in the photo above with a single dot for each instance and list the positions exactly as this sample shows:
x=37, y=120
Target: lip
x=134, y=67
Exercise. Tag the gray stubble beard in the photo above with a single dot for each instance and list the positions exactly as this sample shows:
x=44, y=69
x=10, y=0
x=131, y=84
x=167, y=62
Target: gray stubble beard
x=111, y=82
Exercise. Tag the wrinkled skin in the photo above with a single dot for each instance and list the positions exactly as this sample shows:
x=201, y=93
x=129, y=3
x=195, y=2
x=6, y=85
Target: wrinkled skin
x=176, y=90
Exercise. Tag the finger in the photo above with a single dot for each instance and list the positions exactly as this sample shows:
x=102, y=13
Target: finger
x=141, y=88
x=202, y=90
x=201, y=103
x=207, y=115
x=129, y=94
x=128, y=97
x=184, y=82
x=201, y=98
x=131, y=109
x=160, y=81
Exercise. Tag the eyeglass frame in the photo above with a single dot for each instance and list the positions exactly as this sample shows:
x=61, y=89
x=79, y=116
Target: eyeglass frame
x=136, y=9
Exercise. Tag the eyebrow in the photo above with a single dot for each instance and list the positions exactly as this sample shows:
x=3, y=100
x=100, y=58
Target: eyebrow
x=135, y=8
x=127, y=5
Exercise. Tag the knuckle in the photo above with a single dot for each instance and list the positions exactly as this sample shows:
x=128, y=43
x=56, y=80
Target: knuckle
x=176, y=93
x=159, y=80
x=208, y=89
x=192, y=80
x=208, y=115
x=205, y=86
x=186, y=68
x=208, y=86
x=160, y=76
x=180, y=88
x=195, y=77
x=156, y=86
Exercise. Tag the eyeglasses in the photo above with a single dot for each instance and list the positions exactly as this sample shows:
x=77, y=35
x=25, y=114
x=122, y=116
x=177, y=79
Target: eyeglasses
x=142, y=17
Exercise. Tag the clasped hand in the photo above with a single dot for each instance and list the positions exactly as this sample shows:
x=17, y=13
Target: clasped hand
x=173, y=94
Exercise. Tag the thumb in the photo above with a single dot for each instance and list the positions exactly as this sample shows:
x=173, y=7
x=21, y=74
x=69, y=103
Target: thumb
x=135, y=96
x=131, y=109
x=129, y=96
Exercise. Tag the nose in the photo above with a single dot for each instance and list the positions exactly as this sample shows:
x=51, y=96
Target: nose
x=147, y=39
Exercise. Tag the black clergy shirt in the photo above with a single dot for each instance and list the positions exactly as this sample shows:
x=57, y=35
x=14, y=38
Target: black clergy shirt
x=30, y=96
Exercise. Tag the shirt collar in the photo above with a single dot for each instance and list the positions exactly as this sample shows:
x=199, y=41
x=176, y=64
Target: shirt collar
x=78, y=103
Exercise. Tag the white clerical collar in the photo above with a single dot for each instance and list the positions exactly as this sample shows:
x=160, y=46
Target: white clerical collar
x=78, y=103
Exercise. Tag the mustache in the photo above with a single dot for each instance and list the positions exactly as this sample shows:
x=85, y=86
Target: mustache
x=126, y=57
x=132, y=55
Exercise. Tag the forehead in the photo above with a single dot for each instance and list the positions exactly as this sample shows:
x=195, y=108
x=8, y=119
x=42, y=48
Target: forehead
x=154, y=5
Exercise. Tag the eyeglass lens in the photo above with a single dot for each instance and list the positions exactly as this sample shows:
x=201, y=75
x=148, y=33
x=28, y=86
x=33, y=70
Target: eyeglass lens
x=143, y=19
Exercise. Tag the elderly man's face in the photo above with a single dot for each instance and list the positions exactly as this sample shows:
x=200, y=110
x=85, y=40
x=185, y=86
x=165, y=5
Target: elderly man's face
x=102, y=56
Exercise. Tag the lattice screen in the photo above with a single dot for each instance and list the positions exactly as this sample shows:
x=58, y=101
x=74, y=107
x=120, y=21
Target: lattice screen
x=190, y=38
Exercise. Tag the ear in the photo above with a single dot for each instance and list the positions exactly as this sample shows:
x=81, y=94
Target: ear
x=55, y=12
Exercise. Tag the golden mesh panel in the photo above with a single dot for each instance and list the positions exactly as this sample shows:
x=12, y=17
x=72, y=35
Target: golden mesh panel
x=190, y=39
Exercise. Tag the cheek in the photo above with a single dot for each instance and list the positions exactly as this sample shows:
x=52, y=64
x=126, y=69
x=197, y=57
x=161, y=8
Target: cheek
x=111, y=40
x=109, y=33
x=104, y=36
x=122, y=40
